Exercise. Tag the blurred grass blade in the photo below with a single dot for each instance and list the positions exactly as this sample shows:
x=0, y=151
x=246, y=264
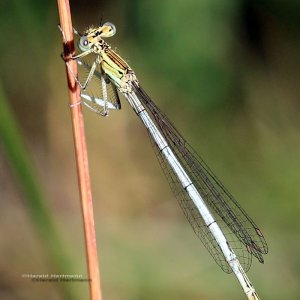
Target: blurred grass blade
x=20, y=162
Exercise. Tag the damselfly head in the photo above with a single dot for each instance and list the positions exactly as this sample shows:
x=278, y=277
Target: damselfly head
x=94, y=35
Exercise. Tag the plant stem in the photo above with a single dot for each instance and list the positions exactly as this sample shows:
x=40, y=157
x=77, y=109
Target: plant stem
x=81, y=155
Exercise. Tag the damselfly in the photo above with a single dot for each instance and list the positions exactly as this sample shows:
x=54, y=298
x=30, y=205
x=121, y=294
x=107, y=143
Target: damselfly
x=223, y=226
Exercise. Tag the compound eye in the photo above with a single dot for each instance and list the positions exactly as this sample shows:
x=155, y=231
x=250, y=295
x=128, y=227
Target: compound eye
x=83, y=43
x=108, y=30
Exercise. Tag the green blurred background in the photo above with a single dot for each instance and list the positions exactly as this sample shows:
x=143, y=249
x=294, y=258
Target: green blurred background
x=226, y=72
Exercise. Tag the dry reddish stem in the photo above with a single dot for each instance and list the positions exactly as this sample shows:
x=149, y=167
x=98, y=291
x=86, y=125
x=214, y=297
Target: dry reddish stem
x=81, y=155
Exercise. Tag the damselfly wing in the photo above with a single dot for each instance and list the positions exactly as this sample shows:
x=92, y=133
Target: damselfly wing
x=242, y=234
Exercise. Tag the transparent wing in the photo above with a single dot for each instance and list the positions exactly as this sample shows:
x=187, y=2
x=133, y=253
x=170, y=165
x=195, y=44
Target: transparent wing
x=94, y=96
x=243, y=235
